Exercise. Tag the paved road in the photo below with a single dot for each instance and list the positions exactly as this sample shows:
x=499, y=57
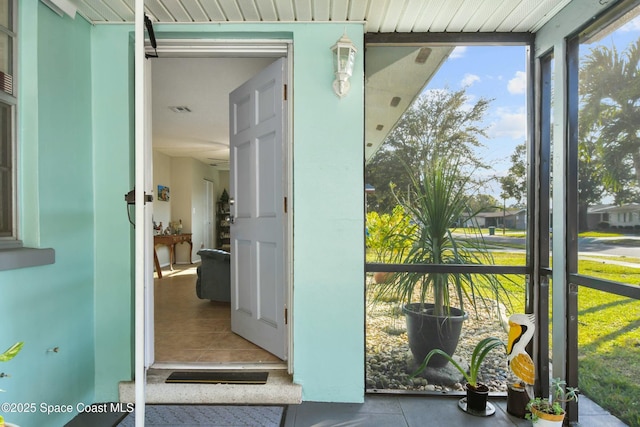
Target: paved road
x=628, y=246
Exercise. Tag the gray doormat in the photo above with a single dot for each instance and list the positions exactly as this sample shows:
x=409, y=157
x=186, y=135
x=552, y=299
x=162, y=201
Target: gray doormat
x=209, y=416
x=218, y=377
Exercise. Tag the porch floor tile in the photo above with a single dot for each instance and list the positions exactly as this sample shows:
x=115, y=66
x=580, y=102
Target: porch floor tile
x=392, y=411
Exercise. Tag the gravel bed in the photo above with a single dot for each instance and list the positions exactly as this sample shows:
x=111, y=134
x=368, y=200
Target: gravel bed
x=389, y=362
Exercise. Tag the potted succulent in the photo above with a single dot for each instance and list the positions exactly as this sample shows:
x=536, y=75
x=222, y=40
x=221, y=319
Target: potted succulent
x=477, y=392
x=9, y=354
x=435, y=201
x=548, y=412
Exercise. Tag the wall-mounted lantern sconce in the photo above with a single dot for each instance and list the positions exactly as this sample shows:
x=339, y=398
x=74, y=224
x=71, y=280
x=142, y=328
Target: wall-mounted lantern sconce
x=344, y=56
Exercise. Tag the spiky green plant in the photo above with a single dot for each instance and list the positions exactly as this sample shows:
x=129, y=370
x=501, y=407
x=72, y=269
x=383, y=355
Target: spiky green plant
x=480, y=352
x=435, y=202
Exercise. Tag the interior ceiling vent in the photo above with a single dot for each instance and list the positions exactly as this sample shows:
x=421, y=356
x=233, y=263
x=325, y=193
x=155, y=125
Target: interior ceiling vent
x=180, y=109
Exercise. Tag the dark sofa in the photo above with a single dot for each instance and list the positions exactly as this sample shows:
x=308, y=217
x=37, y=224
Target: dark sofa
x=214, y=275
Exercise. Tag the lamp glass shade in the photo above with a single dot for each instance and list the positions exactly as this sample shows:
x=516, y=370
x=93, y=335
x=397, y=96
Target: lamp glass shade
x=344, y=55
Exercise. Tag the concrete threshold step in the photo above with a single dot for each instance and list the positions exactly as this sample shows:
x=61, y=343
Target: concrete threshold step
x=279, y=390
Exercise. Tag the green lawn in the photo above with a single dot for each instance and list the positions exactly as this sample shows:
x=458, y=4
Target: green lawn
x=609, y=343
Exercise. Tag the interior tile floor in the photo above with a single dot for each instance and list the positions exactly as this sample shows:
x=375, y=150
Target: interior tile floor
x=189, y=329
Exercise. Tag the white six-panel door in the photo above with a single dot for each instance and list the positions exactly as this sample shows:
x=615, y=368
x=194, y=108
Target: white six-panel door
x=257, y=209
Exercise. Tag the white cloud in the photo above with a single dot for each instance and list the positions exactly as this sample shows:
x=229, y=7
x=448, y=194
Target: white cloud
x=469, y=79
x=633, y=25
x=518, y=84
x=458, y=52
x=509, y=123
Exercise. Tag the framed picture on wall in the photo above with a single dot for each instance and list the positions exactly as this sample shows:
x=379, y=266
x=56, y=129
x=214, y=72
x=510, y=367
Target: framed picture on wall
x=163, y=193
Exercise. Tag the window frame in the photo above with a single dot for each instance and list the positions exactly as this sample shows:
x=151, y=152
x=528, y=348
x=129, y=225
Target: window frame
x=11, y=101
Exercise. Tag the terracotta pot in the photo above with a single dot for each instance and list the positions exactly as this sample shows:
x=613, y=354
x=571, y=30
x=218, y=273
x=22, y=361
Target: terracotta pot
x=382, y=277
x=546, y=420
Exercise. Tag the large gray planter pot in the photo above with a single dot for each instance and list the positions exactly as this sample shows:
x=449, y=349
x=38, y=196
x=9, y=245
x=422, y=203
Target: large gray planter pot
x=427, y=332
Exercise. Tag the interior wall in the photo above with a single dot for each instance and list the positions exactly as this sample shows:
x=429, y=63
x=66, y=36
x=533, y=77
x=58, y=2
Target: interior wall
x=161, y=208
x=184, y=176
x=183, y=198
x=52, y=306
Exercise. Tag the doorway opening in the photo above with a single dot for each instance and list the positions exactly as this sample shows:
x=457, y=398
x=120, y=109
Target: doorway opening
x=191, y=160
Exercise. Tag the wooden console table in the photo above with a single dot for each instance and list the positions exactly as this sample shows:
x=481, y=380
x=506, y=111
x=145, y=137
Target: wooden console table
x=170, y=241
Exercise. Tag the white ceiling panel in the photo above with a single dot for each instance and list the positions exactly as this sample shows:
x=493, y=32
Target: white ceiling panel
x=445, y=15
x=461, y=18
x=413, y=9
x=159, y=11
x=195, y=10
x=249, y=10
x=100, y=11
x=479, y=16
x=379, y=15
x=285, y=10
x=89, y=13
x=122, y=9
x=358, y=10
x=541, y=13
x=321, y=10
x=391, y=17
x=499, y=15
x=339, y=10
x=267, y=10
x=231, y=10
x=375, y=15
x=178, y=11
x=212, y=8
x=303, y=10
x=429, y=13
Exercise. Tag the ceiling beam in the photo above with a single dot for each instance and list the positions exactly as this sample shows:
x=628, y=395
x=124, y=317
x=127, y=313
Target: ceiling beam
x=434, y=39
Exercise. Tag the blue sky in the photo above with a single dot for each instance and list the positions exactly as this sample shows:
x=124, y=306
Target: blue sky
x=498, y=73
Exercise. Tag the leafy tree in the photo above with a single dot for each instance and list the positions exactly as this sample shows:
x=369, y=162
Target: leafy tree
x=610, y=114
x=385, y=232
x=590, y=187
x=482, y=203
x=514, y=184
x=440, y=123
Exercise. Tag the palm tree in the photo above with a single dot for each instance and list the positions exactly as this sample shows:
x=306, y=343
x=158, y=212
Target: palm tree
x=610, y=97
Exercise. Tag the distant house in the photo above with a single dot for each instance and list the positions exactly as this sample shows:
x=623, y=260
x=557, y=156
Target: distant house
x=512, y=218
x=625, y=216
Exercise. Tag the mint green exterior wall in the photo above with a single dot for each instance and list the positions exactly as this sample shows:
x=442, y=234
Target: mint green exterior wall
x=113, y=135
x=52, y=306
x=77, y=141
x=328, y=217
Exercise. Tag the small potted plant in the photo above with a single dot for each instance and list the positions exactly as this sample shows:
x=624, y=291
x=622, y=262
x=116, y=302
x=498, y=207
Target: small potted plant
x=477, y=393
x=9, y=354
x=548, y=412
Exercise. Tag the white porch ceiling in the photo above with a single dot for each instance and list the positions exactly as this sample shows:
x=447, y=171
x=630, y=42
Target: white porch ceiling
x=379, y=15
x=394, y=75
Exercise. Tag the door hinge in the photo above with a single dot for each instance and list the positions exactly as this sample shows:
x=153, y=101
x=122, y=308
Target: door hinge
x=285, y=92
x=285, y=205
x=286, y=316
